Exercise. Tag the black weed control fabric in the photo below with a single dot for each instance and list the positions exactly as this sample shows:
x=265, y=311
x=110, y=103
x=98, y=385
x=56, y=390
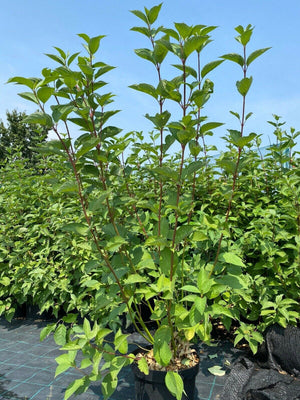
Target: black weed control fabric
x=274, y=374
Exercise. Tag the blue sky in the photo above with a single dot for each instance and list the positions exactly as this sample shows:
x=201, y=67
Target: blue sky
x=31, y=28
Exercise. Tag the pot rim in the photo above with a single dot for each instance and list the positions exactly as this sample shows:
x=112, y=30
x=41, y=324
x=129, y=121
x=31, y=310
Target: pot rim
x=185, y=373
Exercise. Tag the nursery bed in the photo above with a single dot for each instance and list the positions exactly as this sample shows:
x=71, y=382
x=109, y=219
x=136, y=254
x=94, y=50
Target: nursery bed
x=27, y=367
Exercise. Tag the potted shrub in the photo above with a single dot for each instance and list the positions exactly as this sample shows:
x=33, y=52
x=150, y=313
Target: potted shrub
x=143, y=207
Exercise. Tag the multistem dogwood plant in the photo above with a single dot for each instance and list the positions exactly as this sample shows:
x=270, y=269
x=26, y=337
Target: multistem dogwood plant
x=143, y=215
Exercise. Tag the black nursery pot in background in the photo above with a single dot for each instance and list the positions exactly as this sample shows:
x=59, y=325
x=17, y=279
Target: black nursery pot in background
x=153, y=387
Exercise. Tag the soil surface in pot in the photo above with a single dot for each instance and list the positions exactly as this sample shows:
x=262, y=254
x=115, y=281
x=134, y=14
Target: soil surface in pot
x=186, y=357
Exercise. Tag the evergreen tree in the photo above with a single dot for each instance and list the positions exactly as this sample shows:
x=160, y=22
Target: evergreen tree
x=19, y=138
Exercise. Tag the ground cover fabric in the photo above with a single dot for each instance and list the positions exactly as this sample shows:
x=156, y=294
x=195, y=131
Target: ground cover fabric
x=273, y=374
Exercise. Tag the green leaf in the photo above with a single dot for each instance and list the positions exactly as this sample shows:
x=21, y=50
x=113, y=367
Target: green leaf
x=61, y=111
x=188, y=70
x=194, y=147
x=51, y=149
x=94, y=43
x=146, y=54
x=209, y=126
x=257, y=336
x=163, y=334
x=183, y=29
x=145, y=88
x=87, y=329
x=96, y=204
x=204, y=282
x=199, y=236
x=29, y=82
x=76, y=227
x=194, y=316
x=70, y=318
x=29, y=96
x=217, y=370
x=171, y=32
x=67, y=187
x=200, y=304
x=56, y=58
x=110, y=131
x=209, y=67
x=152, y=14
x=61, y=52
x=231, y=258
x=174, y=384
x=120, y=342
x=143, y=366
x=248, y=115
x=85, y=68
x=62, y=368
x=253, y=346
x=44, y=93
x=72, y=346
x=191, y=169
x=102, y=333
x=159, y=52
x=165, y=259
x=60, y=335
x=67, y=358
x=84, y=36
x=86, y=124
x=39, y=118
x=237, y=58
x=90, y=170
x=244, y=34
x=183, y=232
x=168, y=90
x=200, y=97
x=74, y=386
x=237, y=115
x=256, y=54
x=5, y=281
x=192, y=44
x=185, y=135
x=189, y=297
x=164, y=354
x=234, y=136
x=219, y=310
x=238, y=338
x=88, y=145
x=115, y=243
x=159, y=120
x=91, y=283
x=147, y=261
x=135, y=278
x=46, y=331
x=142, y=29
x=243, y=86
x=190, y=288
x=140, y=15
x=243, y=141
x=108, y=385
x=165, y=172
x=232, y=281
x=85, y=363
x=72, y=58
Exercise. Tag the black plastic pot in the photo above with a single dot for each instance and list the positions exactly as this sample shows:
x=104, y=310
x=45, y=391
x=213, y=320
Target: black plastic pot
x=153, y=387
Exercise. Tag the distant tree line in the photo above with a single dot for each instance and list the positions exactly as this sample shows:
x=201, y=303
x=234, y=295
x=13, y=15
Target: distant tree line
x=20, y=139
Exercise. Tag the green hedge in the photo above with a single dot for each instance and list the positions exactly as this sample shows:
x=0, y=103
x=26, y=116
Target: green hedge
x=43, y=263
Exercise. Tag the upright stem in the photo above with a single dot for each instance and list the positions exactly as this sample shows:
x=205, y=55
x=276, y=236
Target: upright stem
x=179, y=187
x=160, y=102
x=235, y=174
